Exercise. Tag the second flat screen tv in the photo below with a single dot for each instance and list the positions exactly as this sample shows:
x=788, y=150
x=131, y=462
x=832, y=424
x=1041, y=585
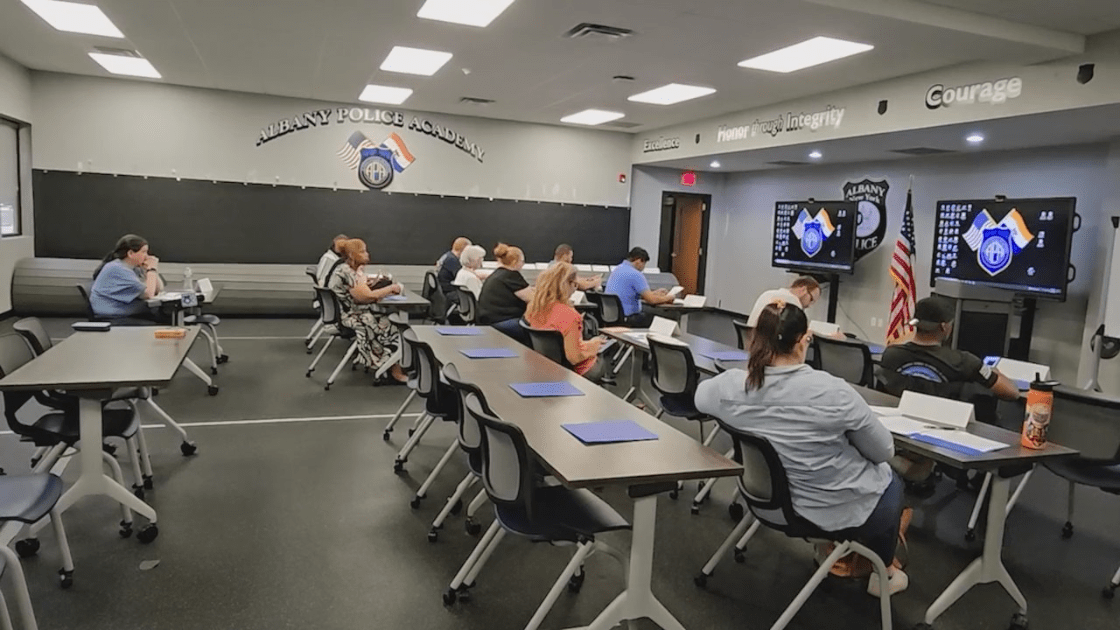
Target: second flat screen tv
x=815, y=236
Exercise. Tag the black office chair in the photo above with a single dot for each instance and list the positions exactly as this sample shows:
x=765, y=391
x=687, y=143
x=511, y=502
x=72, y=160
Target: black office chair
x=764, y=486
x=431, y=291
x=316, y=331
x=608, y=308
x=849, y=360
x=468, y=305
x=1089, y=422
x=399, y=321
x=440, y=403
x=33, y=331
x=541, y=513
x=548, y=342
x=743, y=333
x=332, y=323
x=84, y=289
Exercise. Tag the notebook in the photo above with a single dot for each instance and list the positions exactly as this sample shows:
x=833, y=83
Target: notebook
x=546, y=390
x=488, y=353
x=958, y=441
x=394, y=298
x=726, y=355
x=458, y=331
x=609, y=431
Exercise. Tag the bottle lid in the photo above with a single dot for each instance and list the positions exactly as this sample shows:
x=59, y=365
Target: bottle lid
x=1040, y=385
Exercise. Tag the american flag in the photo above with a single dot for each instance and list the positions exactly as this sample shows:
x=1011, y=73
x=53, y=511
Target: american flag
x=351, y=152
x=902, y=271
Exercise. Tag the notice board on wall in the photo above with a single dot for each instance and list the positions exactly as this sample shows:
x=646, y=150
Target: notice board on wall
x=83, y=215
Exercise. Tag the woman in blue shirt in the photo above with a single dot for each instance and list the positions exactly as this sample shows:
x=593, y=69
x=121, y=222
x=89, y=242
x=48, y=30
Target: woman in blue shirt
x=127, y=277
x=834, y=449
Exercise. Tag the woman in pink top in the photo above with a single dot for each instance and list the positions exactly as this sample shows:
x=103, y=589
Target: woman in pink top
x=551, y=309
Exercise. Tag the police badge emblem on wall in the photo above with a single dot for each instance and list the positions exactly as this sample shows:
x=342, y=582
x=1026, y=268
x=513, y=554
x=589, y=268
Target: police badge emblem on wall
x=871, y=220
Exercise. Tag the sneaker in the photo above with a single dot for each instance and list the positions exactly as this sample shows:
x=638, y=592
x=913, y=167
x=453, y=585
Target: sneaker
x=897, y=581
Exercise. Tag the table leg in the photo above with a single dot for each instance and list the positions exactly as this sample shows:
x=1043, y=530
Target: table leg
x=635, y=392
x=638, y=601
x=93, y=480
x=193, y=368
x=989, y=566
x=683, y=324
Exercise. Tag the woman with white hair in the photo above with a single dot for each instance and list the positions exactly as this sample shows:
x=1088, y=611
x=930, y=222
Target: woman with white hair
x=468, y=277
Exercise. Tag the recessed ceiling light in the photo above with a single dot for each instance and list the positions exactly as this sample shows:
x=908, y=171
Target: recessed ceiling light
x=592, y=117
x=384, y=94
x=975, y=138
x=414, y=60
x=672, y=93
x=469, y=12
x=808, y=53
x=715, y=164
x=74, y=17
x=127, y=64
x=816, y=155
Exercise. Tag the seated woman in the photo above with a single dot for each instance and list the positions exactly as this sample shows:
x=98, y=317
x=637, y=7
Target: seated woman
x=376, y=337
x=551, y=309
x=834, y=449
x=501, y=303
x=127, y=277
x=468, y=277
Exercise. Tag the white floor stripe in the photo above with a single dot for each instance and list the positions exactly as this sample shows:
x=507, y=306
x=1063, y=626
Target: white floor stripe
x=221, y=423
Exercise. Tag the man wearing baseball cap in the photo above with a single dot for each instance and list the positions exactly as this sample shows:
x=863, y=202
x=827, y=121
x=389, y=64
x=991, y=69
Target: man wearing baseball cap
x=926, y=365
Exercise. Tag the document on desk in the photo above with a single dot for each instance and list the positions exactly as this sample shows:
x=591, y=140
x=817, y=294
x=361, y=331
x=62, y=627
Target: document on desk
x=959, y=441
x=394, y=298
x=488, y=353
x=458, y=331
x=609, y=432
x=170, y=296
x=546, y=390
x=901, y=425
x=640, y=337
x=725, y=355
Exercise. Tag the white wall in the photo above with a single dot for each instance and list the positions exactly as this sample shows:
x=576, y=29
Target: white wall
x=15, y=103
x=142, y=128
x=648, y=184
x=741, y=231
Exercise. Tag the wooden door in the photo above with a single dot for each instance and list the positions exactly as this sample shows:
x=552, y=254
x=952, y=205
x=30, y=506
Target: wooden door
x=688, y=228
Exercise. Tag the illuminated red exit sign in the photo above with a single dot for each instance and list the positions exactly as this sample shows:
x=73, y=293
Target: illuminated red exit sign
x=688, y=178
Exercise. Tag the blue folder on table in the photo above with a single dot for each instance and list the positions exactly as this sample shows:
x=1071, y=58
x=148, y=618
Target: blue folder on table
x=609, y=431
x=945, y=444
x=458, y=331
x=488, y=353
x=393, y=298
x=876, y=348
x=726, y=355
x=546, y=390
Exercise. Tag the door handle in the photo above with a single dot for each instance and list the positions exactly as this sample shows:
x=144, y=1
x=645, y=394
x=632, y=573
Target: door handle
x=674, y=254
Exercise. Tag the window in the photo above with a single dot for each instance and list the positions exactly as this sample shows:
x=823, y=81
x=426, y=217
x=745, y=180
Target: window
x=9, y=179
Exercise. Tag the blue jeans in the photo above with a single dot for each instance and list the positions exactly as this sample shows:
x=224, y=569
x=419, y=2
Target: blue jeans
x=880, y=532
x=512, y=328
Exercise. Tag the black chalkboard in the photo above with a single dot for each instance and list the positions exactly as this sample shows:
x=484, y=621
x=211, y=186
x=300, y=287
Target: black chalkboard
x=82, y=216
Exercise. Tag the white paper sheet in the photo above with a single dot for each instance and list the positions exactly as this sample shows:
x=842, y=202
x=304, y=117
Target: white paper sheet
x=663, y=326
x=675, y=291
x=901, y=425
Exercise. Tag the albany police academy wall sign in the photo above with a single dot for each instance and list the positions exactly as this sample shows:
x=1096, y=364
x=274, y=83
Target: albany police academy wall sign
x=871, y=220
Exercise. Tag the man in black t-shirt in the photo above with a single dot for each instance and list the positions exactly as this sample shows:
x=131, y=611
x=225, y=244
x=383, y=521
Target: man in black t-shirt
x=927, y=366
x=448, y=266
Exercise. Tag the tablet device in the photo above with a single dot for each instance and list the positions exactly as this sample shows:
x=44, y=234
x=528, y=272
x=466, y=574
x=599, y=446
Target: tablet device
x=91, y=326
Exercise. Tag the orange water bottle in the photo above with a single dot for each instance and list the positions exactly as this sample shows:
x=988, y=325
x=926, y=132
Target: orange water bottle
x=1040, y=405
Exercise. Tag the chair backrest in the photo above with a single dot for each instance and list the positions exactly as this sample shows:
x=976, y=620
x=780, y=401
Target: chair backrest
x=590, y=326
x=432, y=292
x=743, y=333
x=470, y=433
x=610, y=307
x=764, y=484
x=15, y=352
x=33, y=331
x=399, y=321
x=431, y=285
x=84, y=289
x=310, y=271
x=1087, y=421
x=468, y=305
x=328, y=302
x=548, y=342
x=438, y=396
x=507, y=466
x=849, y=360
x=673, y=367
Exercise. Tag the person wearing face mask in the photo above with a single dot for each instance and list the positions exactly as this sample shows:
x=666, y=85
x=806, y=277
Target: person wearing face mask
x=376, y=337
x=126, y=278
x=834, y=449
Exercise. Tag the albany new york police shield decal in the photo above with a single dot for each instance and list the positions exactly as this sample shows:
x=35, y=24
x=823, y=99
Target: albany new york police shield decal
x=994, y=253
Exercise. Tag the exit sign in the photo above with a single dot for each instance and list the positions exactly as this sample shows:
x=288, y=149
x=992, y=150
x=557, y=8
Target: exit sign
x=688, y=178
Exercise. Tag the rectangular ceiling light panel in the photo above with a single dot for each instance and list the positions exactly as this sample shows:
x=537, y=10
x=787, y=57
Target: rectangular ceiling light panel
x=469, y=12
x=384, y=94
x=808, y=53
x=74, y=17
x=592, y=117
x=415, y=61
x=672, y=93
x=127, y=65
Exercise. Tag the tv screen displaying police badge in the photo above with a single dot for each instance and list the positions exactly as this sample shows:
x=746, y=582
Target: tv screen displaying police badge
x=1020, y=245
x=815, y=236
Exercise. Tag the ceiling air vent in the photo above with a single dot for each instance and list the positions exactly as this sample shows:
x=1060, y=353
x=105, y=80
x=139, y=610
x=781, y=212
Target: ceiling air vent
x=622, y=124
x=598, y=32
x=471, y=100
x=921, y=151
x=787, y=163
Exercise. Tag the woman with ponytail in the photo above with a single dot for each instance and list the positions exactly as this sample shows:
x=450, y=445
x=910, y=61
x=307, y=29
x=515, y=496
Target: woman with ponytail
x=505, y=293
x=835, y=451
x=127, y=277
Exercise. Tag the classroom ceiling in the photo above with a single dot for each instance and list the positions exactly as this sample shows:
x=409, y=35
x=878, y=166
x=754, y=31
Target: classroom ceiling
x=330, y=49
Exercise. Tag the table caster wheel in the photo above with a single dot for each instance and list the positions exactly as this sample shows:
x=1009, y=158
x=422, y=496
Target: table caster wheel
x=970, y=535
x=398, y=466
x=923, y=626
x=414, y=503
x=27, y=547
x=1018, y=622
x=1067, y=531
x=148, y=534
x=449, y=597
x=148, y=484
x=695, y=509
x=65, y=578
x=740, y=556
x=223, y=358
x=188, y=448
x=673, y=494
x=385, y=436
x=212, y=390
x=1109, y=591
x=433, y=535
x=700, y=580
x=458, y=507
x=308, y=350
x=308, y=375
x=575, y=583
x=126, y=530
x=472, y=528
x=736, y=512
x=465, y=593
x=327, y=387
x=138, y=491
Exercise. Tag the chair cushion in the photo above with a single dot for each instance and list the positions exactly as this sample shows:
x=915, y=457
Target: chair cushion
x=28, y=498
x=682, y=407
x=132, y=393
x=118, y=419
x=213, y=320
x=1105, y=477
x=561, y=514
